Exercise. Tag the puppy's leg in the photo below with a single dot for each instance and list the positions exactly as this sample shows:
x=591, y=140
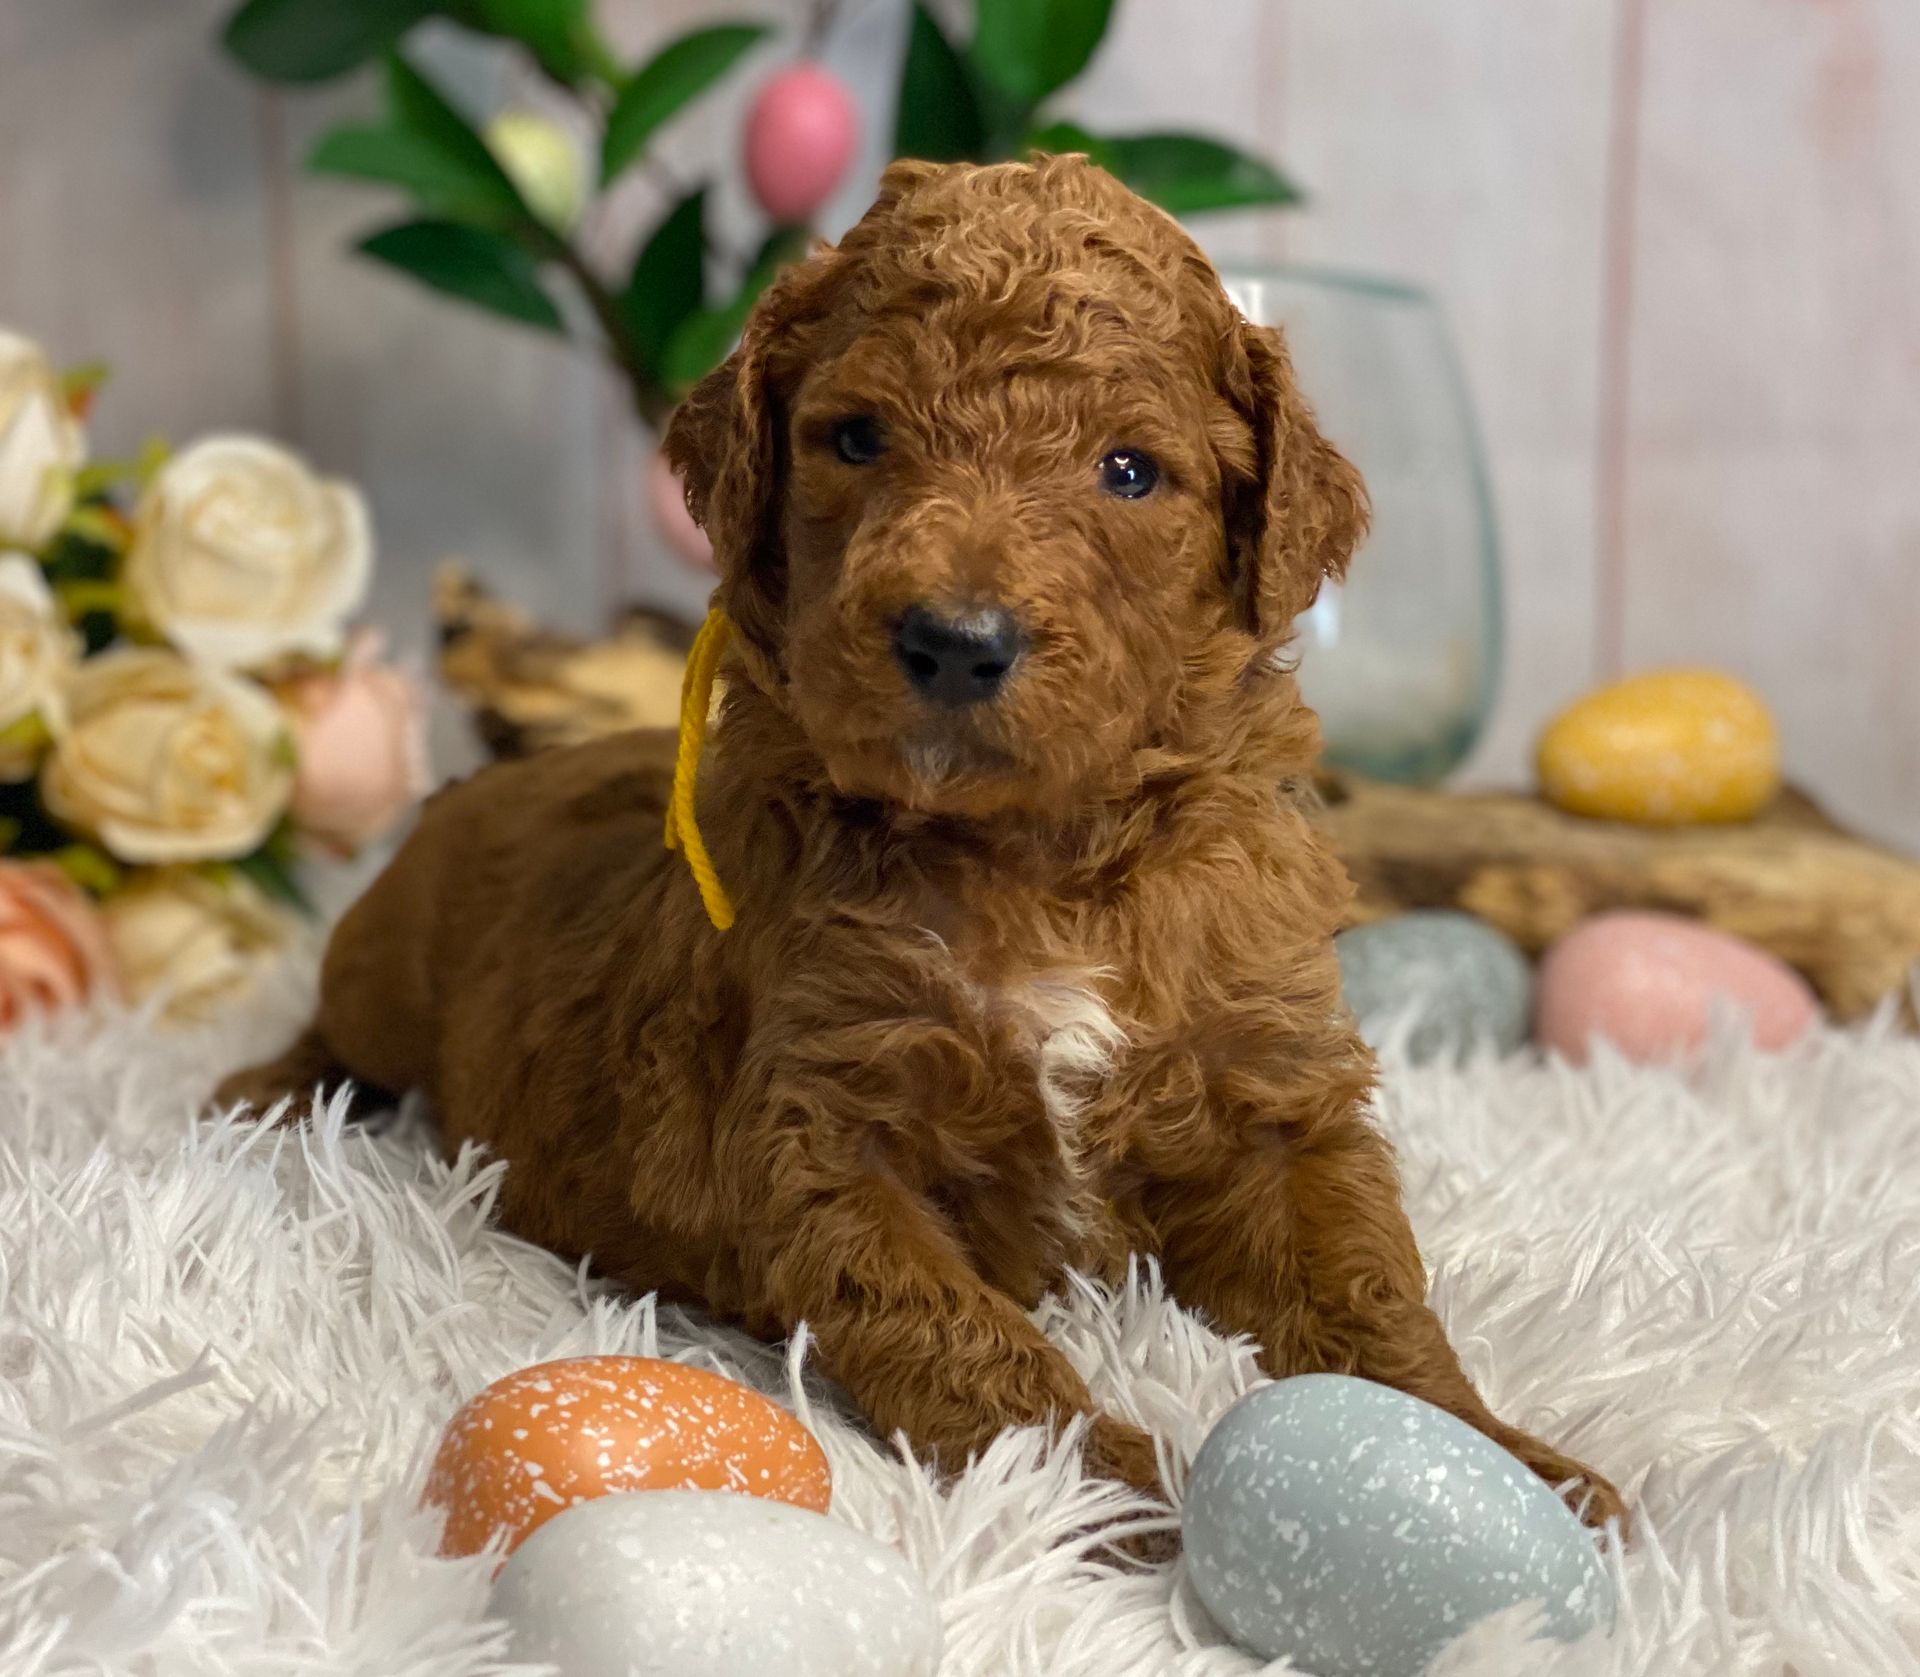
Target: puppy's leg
x=1300, y=1240
x=877, y=1104
x=373, y=1025
x=923, y=1343
x=307, y=1067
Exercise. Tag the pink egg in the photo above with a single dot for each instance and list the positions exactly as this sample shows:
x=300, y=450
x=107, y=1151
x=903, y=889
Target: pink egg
x=801, y=135
x=1649, y=984
x=667, y=502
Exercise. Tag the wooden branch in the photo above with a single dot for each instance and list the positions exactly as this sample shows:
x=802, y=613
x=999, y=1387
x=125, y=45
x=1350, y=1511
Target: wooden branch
x=528, y=688
x=1843, y=912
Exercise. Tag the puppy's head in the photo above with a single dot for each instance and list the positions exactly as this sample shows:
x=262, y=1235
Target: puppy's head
x=1008, y=500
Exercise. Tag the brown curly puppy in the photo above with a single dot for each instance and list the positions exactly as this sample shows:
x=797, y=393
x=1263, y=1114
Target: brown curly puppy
x=1033, y=964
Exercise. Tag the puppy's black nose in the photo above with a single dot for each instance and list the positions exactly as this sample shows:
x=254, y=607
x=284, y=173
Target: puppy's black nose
x=959, y=658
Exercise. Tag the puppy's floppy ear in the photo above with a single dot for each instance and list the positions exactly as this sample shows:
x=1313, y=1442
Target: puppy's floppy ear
x=727, y=440
x=1296, y=511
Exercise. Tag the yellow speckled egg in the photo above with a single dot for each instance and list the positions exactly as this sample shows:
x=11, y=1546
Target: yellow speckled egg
x=1669, y=748
x=561, y=1433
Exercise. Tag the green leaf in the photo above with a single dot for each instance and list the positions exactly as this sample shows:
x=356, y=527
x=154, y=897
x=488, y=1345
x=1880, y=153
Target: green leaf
x=83, y=596
x=94, y=523
x=400, y=157
x=283, y=843
x=94, y=479
x=1029, y=48
x=781, y=246
x=79, y=385
x=706, y=337
x=72, y=556
x=682, y=70
x=313, y=40
x=421, y=108
x=268, y=869
x=26, y=733
x=155, y=452
x=556, y=32
x=704, y=340
x=1184, y=173
x=938, y=117
x=668, y=280
x=479, y=267
x=25, y=827
x=89, y=867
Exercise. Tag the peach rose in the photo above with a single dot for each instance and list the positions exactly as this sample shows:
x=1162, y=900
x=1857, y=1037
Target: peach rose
x=360, y=735
x=53, y=949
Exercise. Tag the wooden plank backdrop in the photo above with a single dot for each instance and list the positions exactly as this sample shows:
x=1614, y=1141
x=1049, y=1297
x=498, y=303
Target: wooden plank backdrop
x=1678, y=242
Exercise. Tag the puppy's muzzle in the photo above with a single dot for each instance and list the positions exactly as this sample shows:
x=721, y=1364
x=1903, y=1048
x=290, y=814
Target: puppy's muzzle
x=957, y=658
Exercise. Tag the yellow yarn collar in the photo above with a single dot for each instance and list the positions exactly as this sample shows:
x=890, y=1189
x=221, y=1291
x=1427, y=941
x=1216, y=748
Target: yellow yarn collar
x=696, y=705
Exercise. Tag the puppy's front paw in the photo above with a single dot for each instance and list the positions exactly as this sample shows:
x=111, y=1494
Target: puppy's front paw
x=1589, y=1494
x=1116, y=1450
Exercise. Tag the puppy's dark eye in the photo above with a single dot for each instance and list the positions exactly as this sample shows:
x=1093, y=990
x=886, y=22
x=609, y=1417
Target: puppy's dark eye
x=1128, y=473
x=859, y=440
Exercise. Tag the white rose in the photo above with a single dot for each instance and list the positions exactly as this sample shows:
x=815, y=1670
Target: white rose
x=41, y=446
x=37, y=649
x=165, y=761
x=241, y=555
x=205, y=943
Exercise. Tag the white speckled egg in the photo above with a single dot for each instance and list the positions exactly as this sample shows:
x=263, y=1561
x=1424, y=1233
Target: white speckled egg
x=1357, y=1531
x=703, y=1584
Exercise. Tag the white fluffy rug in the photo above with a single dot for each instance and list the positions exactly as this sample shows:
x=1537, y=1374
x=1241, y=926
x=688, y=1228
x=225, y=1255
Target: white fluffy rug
x=225, y=1354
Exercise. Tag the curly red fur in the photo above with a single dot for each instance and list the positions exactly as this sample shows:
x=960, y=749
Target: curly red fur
x=1028, y=985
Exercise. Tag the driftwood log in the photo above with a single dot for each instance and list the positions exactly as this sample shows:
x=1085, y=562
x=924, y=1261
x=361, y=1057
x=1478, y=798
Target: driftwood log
x=1843, y=912
x=527, y=688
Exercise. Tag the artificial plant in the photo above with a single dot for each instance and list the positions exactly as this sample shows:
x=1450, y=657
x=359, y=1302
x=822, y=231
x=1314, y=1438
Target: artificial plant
x=478, y=233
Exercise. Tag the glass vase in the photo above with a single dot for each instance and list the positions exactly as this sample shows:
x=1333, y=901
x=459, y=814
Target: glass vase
x=1402, y=661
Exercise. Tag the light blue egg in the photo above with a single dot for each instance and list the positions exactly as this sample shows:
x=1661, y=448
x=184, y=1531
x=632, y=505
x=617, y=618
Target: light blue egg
x=1449, y=978
x=1357, y=1531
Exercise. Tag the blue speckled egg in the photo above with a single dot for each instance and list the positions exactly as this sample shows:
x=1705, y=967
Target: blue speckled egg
x=1357, y=1531
x=1454, y=981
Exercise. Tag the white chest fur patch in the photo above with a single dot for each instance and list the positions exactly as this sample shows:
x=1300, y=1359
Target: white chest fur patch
x=1076, y=1041
x=1071, y=1036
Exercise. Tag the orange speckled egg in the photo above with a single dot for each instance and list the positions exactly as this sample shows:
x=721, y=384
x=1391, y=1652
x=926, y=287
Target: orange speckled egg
x=559, y=1433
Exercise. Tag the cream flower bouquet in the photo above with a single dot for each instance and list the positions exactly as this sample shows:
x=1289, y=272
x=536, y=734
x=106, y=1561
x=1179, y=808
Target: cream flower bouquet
x=184, y=714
